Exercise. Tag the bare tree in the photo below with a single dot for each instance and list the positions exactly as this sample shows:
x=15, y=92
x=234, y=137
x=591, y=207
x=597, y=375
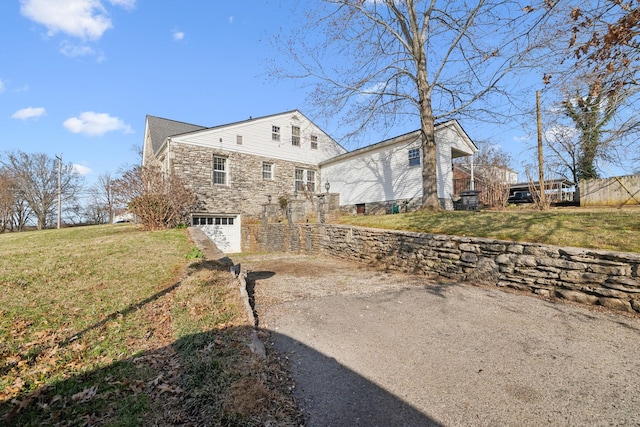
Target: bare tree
x=595, y=73
x=593, y=124
x=493, y=174
x=103, y=204
x=7, y=201
x=382, y=61
x=157, y=201
x=36, y=181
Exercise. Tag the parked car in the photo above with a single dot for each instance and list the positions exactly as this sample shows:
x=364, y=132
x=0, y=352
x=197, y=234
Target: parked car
x=520, y=197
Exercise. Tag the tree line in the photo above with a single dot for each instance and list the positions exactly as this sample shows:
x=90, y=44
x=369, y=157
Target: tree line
x=31, y=183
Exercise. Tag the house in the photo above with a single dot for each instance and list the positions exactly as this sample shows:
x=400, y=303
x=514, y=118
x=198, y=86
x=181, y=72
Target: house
x=237, y=168
x=373, y=179
x=234, y=168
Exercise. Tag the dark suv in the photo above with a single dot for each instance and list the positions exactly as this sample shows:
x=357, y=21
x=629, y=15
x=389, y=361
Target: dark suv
x=520, y=197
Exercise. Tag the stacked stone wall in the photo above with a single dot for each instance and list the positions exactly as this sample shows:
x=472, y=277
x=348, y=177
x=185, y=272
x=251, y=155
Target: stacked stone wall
x=245, y=190
x=607, y=278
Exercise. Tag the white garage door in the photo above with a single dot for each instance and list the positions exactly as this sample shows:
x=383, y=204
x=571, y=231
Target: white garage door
x=223, y=230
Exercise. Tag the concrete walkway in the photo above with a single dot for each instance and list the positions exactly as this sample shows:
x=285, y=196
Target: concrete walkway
x=371, y=348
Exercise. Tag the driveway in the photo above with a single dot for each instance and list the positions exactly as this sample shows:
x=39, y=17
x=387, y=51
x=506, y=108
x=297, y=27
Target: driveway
x=373, y=348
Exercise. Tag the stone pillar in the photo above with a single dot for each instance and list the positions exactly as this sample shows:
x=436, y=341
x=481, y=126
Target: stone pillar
x=269, y=212
x=296, y=212
x=322, y=206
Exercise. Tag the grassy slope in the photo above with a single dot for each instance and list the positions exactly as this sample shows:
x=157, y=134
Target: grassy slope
x=113, y=325
x=611, y=229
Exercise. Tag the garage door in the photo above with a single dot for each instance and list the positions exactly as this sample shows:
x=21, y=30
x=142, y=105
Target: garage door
x=223, y=230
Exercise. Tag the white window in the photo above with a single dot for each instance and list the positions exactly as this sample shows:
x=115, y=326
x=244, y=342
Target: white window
x=314, y=142
x=275, y=133
x=311, y=181
x=219, y=170
x=295, y=135
x=267, y=171
x=211, y=220
x=239, y=139
x=414, y=157
x=305, y=180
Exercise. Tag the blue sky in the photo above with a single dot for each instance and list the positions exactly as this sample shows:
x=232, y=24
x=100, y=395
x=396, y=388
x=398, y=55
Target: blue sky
x=79, y=81
x=80, y=84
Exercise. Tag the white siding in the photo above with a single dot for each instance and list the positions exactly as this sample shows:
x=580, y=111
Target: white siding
x=257, y=140
x=374, y=176
x=380, y=174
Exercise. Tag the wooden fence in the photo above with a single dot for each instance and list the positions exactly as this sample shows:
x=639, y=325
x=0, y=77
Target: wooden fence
x=616, y=191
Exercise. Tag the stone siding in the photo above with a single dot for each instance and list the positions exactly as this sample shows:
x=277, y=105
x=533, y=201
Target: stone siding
x=610, y=279
x=246, y=190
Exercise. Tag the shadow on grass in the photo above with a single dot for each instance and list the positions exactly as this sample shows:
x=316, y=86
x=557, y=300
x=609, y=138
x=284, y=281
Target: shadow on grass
x=212, y=379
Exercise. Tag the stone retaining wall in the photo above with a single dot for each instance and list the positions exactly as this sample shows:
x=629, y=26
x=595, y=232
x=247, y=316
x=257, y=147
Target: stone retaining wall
x=611, y=279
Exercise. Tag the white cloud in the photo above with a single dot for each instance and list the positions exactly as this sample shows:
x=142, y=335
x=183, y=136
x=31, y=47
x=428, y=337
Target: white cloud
x=86, y=19
x=95, y=124
x=1, y=86
x=560, y=133
x=522, y=138
x=177, y=35
x=127, y=4
x=73, y=50
x=28, y=113
x=231, y=19
x=81, y=170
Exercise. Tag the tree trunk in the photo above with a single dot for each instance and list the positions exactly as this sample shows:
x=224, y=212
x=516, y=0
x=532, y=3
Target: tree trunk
x=430, y=200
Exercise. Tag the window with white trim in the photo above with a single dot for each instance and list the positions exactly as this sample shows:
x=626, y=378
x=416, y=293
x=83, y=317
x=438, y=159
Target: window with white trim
x=305, y=180
x=211, y=220
x=275, y=133
x=295, y=135
x=267, y=171
x=314, y=142
x=414, y=157
x=239, y=139
x=219, y=170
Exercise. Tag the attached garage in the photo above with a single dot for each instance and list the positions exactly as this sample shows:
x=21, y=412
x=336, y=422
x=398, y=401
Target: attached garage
x=222, y=229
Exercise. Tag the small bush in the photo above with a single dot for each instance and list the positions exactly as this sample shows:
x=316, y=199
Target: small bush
x=194, y=253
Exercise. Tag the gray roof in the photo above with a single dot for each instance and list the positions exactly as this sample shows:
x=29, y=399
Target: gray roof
x=160, y=129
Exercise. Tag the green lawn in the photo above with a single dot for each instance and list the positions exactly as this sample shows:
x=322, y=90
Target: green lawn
x=612, y=229
x=111, y=325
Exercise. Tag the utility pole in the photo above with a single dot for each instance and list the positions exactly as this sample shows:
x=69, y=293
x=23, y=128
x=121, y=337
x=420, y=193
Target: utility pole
x=59, y=189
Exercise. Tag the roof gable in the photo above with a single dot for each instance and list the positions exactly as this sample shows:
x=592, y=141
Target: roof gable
x=160, y=129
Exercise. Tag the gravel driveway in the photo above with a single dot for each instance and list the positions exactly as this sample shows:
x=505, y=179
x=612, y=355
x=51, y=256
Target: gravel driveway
x=373, y=348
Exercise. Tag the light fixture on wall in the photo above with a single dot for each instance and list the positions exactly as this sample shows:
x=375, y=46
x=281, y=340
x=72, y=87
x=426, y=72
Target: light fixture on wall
x=295, y=193
x=327, y=186
x=269, y=198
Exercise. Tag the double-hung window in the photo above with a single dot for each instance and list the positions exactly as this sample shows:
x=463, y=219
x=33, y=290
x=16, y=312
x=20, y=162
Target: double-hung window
x=275, y=133
x=267, y=171
x=219, y=170
x=314, y=142
x=305, y=180
x=311, y=181
x=295, y=135
x=414, y=157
